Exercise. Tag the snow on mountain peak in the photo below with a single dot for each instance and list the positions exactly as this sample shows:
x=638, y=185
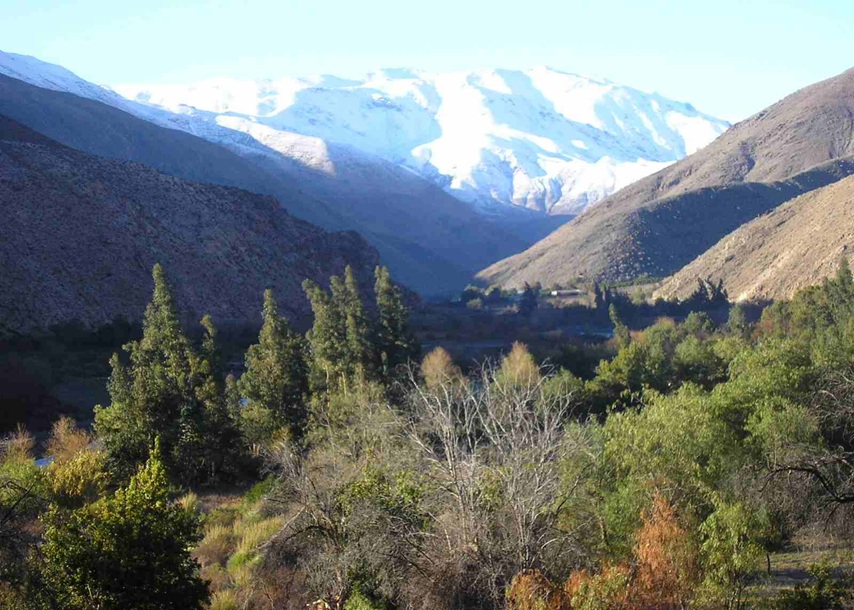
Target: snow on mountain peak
x=540, y=138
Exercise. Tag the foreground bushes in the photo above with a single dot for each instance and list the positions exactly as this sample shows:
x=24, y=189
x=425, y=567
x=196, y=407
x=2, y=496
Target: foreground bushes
x=662, y=482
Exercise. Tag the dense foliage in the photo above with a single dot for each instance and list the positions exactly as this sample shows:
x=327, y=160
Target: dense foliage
x=669, y=478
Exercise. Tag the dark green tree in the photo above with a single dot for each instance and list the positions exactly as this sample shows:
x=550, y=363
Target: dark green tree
x=708, y=293
x=621, y=331
x=600, y=297
x=737, y=323
x=222, y=450
x=276, y=376
x=361, y=356
x=327, y=339
x=153, y=394
x=340, y=339
x=395, y=343
x=128, y=550
x=528, y=302
x=167, y=390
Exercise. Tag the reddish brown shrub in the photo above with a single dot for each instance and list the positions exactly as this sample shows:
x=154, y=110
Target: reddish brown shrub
x=665, y=559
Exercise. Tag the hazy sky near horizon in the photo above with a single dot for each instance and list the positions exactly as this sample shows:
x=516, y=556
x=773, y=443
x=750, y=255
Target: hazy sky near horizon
x=730, y=58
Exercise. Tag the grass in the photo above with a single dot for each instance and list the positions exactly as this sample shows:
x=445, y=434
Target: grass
x=236, y=527
x=790, y=568
x=216, y=546
x=223, y=600
x=251, y=536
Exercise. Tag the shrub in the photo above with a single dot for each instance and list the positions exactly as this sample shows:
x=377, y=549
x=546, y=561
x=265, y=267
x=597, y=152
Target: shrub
x=78, y=480
x=137, y=536
x=531, y=590
x=823, y=592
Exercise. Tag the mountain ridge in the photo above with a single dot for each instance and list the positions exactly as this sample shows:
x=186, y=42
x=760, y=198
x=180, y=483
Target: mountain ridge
x=541, y=139
x=421, y=232
x=81, y=234
x=803, y=131
x=793, y=246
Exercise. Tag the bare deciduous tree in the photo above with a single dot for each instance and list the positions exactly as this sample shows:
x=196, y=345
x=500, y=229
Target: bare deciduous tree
x=492, y=446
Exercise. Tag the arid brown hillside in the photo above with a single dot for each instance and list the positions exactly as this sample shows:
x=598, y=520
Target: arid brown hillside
x=80, y=235
x=429, y=240
x=660, y=223
x=796, y=245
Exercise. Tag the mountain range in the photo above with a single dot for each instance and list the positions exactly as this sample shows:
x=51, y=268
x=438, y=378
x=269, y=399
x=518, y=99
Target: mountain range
x=540, y=139
x=361, y=158
x=661, y=223
x=436, y=175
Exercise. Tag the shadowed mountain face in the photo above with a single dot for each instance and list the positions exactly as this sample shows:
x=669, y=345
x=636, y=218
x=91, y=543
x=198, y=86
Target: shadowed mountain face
x=656, y=225
x=81, y=234
x=796, y=245
x=430, y=241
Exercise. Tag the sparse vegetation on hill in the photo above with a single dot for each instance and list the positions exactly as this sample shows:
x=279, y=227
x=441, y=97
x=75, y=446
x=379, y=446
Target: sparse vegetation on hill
x=794, y=246
x=661, y=223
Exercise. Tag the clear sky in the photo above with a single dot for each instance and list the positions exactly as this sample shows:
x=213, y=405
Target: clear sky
x=729, y=58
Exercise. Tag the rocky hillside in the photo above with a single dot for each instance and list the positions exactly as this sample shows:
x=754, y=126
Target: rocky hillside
x=796, y=245
x=81, y=233
x=429, y=239
x=656, y=225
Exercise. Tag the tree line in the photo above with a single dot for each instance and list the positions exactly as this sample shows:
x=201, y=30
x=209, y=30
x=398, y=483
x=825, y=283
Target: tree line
x=667, y=479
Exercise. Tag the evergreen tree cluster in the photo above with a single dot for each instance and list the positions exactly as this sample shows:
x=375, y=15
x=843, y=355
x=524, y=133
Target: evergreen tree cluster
x=349, y=347
x=170, y=390
x=208, y=424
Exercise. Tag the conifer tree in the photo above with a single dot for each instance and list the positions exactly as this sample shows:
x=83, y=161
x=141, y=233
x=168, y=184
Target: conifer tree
x=222, y=447
x=327, y=340
x=528, y=302
x=149, y=397
x=341, y=350
x=360, y=354
x=394, y=341
x=621, y=331
x=167, y=391
x=276, y=376
x=737, y=322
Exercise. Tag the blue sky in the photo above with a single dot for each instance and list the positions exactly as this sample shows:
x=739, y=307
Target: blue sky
x=729, y=58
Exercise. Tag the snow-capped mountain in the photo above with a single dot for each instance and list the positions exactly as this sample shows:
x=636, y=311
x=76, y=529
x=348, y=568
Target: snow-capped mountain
x=430, y=240
x=540, y=139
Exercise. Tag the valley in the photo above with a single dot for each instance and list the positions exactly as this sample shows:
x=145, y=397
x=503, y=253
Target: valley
x=439, y=338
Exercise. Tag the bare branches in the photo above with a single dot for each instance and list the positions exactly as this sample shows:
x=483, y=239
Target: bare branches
x=493, y=445
x=827, y=460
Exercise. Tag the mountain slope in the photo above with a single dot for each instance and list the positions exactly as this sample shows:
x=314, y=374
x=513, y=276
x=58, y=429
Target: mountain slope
x=81, y=233
x=540, y=139
x=428, y=239
x=614, y=240
x=796, y=245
